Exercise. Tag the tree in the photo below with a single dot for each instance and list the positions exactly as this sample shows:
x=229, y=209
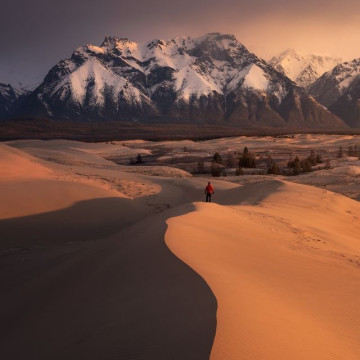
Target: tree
x=351, y=151
x=139, y=159
x=319, y=159
x=312, y=157
x=239, y=171
x=296, y=170
x=327, y=164
x=201, y=167
x=217, y=158
x=295, y=166
x=355, y=151
x=340, y=153
x=215, y=169
x=231, y=160
x=247, y=160
x=292, y=163
x=306, y=165
x=273, y=169
x=269, y=161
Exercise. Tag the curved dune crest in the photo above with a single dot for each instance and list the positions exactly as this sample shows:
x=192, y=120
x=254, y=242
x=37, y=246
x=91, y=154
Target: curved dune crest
x=27, y=187
x=16, y=164
x=283, y=261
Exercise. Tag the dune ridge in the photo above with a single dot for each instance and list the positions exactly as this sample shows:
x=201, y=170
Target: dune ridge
x=283, y=261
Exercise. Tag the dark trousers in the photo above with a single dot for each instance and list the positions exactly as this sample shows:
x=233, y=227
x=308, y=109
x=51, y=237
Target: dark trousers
x=208, y=197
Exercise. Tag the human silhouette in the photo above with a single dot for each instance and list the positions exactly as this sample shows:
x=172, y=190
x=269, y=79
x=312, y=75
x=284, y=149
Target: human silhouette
x=209, y=190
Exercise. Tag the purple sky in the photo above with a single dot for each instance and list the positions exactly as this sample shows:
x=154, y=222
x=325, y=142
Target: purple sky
x=36, y=34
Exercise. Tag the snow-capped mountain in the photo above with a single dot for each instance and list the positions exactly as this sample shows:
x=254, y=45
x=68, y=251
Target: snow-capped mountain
x=339, y=91
x=212, y=78
x=9, y=97
x=303, y=68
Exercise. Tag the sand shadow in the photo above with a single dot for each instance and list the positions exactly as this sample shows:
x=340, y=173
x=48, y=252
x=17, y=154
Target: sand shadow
x=124, y=297
x=83, y=221
x=249, y=194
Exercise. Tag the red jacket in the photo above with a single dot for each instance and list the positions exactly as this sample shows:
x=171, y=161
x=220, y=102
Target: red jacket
x=209, y=189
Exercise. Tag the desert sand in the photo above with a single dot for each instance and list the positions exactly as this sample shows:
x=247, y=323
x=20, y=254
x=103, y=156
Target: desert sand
x=107, y=261
x=283, y=262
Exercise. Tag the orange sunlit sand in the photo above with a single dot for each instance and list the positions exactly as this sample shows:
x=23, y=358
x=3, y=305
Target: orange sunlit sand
x=87, y=271
x=284, y=267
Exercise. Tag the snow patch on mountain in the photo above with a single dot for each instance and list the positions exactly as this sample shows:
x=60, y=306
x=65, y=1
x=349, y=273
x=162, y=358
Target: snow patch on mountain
x=96, y=49
x=335, y=83
x=189, y=82
x=346, y=74
x=255, y=78
x=94, y=77
x=303, y=68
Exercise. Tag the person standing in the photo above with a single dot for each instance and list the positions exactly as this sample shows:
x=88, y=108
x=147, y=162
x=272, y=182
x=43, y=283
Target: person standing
x=209, y=190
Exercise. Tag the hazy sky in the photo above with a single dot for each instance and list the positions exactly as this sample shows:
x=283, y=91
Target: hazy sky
x=36, y=34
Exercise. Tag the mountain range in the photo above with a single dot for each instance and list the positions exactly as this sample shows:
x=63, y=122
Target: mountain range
x=207, y=79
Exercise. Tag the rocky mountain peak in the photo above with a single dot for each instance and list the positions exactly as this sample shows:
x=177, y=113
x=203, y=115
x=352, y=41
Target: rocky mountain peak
x=303, y=68
x=211, y=78
x=111, y=41
x=339, y=91
x=155, y=43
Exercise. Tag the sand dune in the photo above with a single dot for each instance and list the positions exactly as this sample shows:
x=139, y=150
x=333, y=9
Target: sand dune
x=16, y=164
x=283, y=261
x=29, y=187
x=85, y=272
x=272, y=268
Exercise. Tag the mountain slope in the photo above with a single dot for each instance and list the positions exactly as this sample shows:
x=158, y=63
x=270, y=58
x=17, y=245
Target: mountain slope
x=212, y=78
x=9, y=97
x=339, y=91
x=301, y=68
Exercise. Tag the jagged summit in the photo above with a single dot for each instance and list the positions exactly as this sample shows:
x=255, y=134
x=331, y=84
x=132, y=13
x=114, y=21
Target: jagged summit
x=109, y=40
x=290, y=53
x=210, y=78
x=339, y=90
x=303, y=68
x=124, y=44
x=112, y=41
